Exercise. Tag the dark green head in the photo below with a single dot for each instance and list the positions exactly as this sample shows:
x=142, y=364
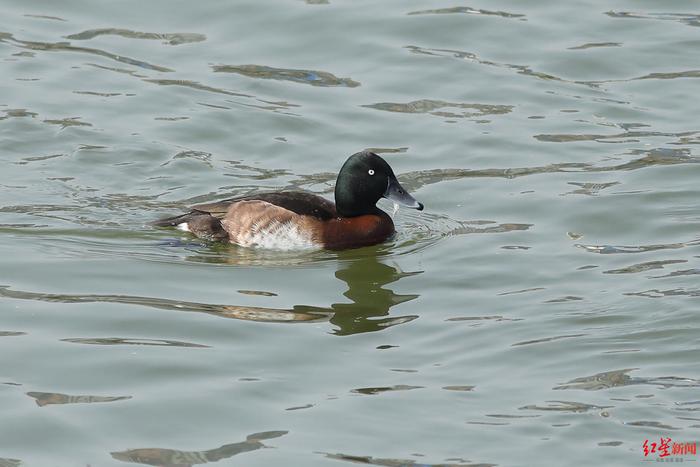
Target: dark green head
x=364, y=178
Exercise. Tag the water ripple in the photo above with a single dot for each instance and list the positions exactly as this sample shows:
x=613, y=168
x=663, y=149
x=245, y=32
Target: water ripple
x=658, y=293
x=379, y=390
x=49, y=398
x=652, y=424
x=612, y=249
x=624, y=137
x=565, y=406
x=466, y=10
x=17, y=113
x=177, y=458
x=480, y=320
x=641, y=267
x=590, y=189
x=547, y=339
x=685, y=18
x=312, y=77
x=650, y=158
x=99, y=94
x=169, y=38
x=528, y=71
x=122, y=71
x=53, y=18
x=470, y=56
x=128, y=341
x=432, y=107
x=390, y=462
x=201, y=156
x=683, y=272
x=460, y=388
x=194, y=85
x=67, y=122
x=300, y=407
x=593, y=45
x=605, y=380
x=657, y=75
x=66, y=47
x=618, y=378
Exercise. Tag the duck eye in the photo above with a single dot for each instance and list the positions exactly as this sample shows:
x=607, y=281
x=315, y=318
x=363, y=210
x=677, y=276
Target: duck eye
x=370, y=171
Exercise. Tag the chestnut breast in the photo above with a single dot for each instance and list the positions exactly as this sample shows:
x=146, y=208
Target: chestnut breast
x=351, y=232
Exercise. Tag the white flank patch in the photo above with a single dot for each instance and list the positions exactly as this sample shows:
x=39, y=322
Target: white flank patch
x=184, y=227
x=279, y=236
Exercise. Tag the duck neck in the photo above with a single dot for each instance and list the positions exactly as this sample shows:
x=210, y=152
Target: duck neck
x=349, y=204
x=345, y=210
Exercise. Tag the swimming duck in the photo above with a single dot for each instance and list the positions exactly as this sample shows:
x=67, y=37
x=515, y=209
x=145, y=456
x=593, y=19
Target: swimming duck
x=295, y=219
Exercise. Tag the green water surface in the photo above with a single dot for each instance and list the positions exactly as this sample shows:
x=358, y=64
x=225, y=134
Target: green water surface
x=542, y=310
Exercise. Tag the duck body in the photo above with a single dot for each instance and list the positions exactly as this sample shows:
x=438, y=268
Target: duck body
x=300, y=220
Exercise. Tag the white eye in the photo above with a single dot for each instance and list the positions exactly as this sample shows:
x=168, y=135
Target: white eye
x=370, y=171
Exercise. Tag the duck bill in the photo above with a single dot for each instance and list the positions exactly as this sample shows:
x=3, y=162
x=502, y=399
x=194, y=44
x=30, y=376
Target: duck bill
x=397, y=193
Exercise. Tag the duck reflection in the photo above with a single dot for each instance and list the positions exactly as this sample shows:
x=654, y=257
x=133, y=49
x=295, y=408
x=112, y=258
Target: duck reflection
x=371, y=302
x=368, y=310
x=175, y=458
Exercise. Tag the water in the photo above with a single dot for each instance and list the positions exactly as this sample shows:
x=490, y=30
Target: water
x=542, y=310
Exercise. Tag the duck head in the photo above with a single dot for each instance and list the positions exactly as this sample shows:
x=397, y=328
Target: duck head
x=363, y=180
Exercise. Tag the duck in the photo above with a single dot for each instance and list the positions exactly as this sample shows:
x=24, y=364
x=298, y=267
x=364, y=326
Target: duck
x=287, y=220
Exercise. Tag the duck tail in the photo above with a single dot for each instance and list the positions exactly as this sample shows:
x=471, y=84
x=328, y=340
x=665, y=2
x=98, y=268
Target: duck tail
x=174, y=221
x=201, y=224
